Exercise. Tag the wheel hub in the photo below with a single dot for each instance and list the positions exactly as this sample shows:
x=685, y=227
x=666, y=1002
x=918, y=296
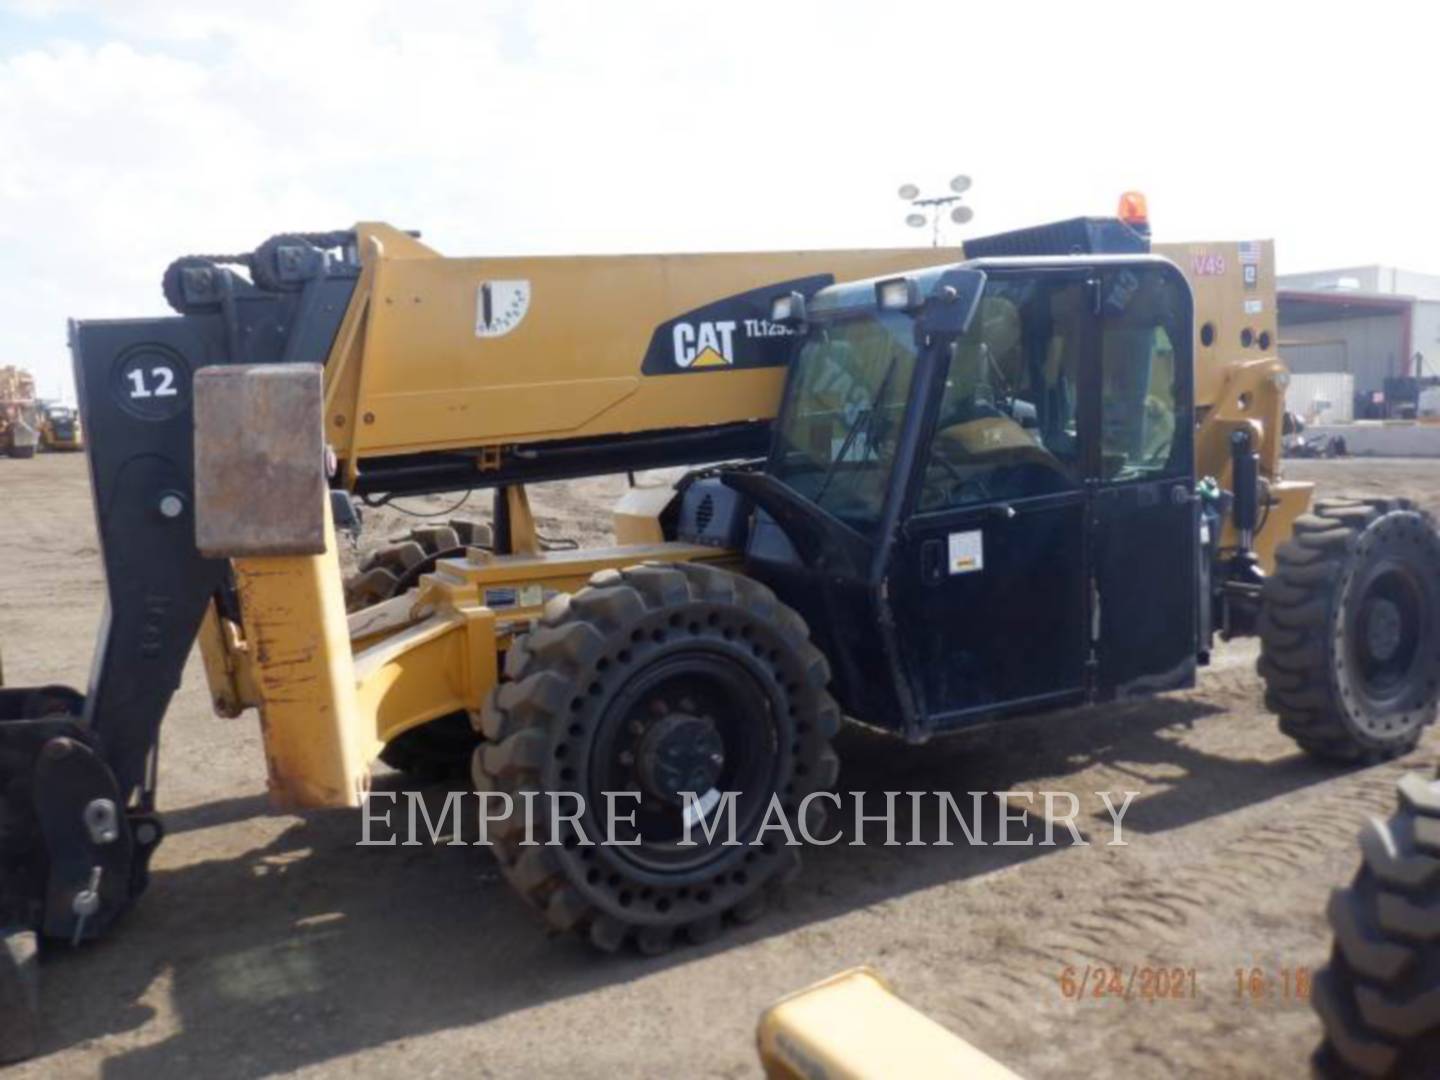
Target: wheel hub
x=1384, y=628
x=680, y=752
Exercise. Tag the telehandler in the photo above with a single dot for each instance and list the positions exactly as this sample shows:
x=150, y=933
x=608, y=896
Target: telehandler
x=960, y=486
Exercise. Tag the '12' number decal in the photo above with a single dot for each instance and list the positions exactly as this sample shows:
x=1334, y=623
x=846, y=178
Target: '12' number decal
x=163, y=383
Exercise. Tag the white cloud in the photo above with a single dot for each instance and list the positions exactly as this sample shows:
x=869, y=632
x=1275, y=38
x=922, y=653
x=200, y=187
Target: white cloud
x=135, y=133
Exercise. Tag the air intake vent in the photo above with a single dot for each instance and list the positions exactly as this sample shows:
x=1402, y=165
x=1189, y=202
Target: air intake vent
x=712, y=514
x=1078, y=236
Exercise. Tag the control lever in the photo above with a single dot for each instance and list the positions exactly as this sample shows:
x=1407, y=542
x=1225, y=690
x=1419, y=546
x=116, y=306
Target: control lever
x=86, y=903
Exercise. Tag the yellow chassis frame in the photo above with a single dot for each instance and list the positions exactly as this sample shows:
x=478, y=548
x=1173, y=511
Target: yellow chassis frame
x=333, y=689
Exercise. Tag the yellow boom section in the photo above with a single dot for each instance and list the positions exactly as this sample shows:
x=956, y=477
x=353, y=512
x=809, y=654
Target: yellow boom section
x=484, y=354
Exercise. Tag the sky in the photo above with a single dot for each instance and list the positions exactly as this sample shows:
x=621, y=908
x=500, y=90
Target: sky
x=135, y=131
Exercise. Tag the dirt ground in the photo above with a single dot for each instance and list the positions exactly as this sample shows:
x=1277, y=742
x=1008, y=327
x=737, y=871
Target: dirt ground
x=272, y=944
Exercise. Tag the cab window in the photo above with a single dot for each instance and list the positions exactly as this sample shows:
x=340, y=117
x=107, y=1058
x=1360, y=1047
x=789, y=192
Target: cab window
x=840, y=425
x=1006, y=427
x=1144, y=352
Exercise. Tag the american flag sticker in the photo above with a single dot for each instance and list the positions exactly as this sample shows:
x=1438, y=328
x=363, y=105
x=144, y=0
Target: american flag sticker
x=1249, y=251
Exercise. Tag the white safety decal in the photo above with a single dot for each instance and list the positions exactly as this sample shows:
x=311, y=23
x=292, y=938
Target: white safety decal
x=500, y=306
x=967, y=552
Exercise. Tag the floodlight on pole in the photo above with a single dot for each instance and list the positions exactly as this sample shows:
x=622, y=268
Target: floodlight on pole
x=931, y=208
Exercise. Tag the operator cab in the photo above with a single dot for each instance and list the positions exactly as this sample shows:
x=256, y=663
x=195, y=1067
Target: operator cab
x=981, y=488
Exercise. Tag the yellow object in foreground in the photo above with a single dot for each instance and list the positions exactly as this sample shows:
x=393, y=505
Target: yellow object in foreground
x=852, y=1025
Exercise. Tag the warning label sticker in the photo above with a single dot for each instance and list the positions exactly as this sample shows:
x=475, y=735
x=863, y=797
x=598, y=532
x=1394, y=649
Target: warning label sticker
x=967, y=552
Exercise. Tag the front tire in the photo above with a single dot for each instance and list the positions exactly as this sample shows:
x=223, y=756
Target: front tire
x=1350, y=629
x=657, y=680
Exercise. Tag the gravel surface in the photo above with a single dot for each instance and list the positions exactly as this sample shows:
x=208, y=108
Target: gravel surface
x=270, y=943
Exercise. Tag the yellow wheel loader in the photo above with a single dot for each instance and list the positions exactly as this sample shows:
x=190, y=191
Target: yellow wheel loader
x=952, y=487
x=59, y=427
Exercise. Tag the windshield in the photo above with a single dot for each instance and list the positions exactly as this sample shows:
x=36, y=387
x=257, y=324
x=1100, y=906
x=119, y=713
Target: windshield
x=840, y=422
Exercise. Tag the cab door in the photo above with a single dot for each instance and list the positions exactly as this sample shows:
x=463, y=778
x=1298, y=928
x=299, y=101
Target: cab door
x=989, y=574
x=1145, y=517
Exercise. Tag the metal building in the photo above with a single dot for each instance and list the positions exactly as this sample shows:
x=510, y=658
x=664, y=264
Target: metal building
x=1379, y=324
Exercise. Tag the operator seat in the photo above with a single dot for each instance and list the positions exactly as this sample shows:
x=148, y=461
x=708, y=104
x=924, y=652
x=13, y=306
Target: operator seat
x=973, y=431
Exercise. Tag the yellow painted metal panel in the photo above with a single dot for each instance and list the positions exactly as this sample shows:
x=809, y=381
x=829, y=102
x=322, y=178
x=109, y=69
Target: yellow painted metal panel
x=423, y=378
x=316, y=747
x=851, y=1026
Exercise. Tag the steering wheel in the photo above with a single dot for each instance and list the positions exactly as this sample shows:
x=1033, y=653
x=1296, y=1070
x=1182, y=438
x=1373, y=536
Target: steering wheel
x=959, y=483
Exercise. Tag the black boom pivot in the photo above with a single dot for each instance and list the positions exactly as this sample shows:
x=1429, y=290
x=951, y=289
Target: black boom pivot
x=77, y=776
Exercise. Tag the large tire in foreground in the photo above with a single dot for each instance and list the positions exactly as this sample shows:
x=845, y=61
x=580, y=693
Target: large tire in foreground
x=658, y=679
x=1379, y=999
x=1350, y=629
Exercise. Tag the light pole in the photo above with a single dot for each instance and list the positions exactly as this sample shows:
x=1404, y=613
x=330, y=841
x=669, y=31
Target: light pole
x=931, y=207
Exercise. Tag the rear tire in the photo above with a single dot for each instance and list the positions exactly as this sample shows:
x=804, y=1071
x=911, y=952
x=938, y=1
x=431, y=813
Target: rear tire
x=1350, y=629
x=1379, y=999
x=650, y=679
x=21, y=451
x=397, y=567
x=440, y=749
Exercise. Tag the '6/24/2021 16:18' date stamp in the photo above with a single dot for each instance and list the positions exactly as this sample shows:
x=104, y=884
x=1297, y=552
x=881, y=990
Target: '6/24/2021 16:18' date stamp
x=1175, y=983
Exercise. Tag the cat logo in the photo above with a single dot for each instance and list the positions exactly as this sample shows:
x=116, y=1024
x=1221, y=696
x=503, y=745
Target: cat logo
x=708, y=344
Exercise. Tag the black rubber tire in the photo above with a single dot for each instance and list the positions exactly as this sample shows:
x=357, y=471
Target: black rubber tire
x=19, y=995
x=561, y=680
x=1379, y=998
x=440, y=749
x=396, y=567
x=1309, y=629
x=21, y=451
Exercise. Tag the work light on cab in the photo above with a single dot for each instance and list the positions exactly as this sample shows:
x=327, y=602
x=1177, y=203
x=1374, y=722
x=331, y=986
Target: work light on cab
x=788, y=309
x=898, y=294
